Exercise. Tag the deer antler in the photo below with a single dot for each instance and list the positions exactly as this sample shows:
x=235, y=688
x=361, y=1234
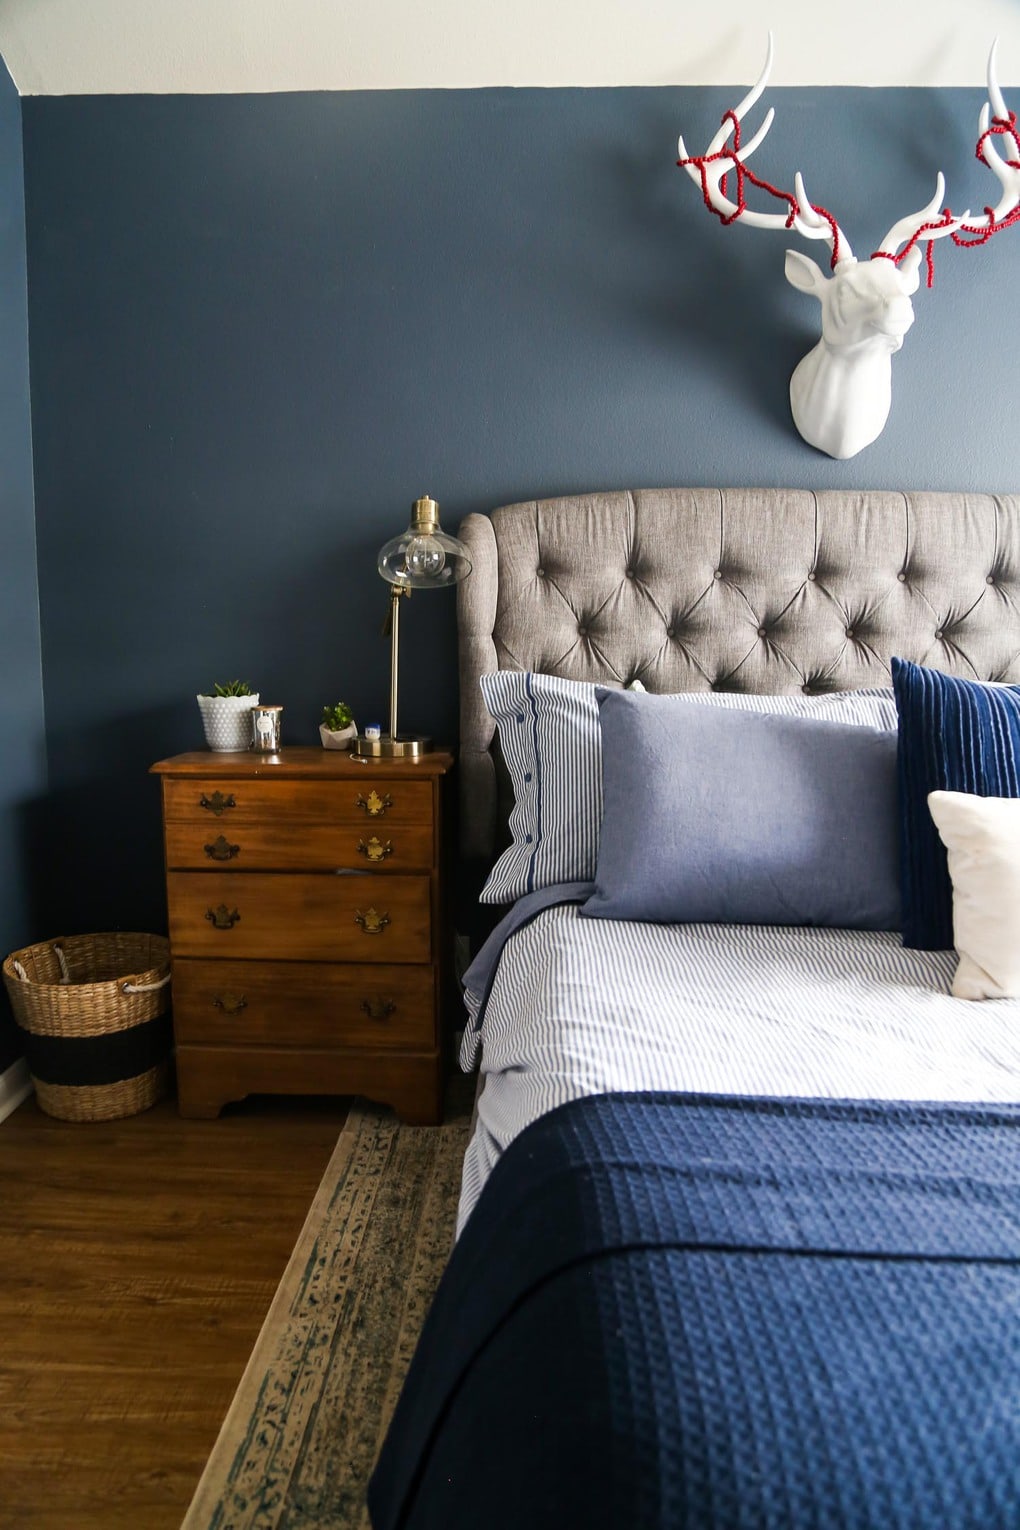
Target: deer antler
x=710, y=170
x=919, y=225
x=1006, y=171
x=908, y=230
x=840, y=392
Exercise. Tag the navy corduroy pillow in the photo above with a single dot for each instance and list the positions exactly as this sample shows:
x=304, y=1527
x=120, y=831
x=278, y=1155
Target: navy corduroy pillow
x=957, y=736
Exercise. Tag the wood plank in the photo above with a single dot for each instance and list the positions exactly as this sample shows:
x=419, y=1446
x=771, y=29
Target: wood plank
x=304, y=761
x=138, y=1260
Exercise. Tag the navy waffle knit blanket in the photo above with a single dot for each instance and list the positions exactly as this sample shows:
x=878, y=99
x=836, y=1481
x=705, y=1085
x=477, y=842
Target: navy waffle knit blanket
x=674, y=1311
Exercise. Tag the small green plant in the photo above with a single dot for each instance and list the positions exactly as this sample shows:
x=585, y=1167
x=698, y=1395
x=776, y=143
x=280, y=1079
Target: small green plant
x=337, y=717
x=232, y=688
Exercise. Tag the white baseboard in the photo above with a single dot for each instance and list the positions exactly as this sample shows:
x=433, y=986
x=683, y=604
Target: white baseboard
x=15, y=1086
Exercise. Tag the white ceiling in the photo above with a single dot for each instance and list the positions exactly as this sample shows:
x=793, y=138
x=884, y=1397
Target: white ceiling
x=98, y=47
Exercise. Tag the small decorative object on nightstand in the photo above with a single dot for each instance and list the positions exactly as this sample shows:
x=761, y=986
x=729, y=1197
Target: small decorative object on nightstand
x=337, y=730
x=267, y=728
x=226, y=715
x=307, y=931
x=423, y=557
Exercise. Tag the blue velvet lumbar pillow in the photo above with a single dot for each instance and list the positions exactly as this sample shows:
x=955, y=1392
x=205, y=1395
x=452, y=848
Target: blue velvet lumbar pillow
x=956, y=736
x=730, y=817
x=551, y=743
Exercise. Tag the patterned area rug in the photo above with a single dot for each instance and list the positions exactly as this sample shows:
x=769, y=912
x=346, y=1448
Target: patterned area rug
x=300, y=1439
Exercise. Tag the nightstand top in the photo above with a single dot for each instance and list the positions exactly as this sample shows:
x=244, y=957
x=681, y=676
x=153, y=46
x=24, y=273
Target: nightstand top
x=310, y=761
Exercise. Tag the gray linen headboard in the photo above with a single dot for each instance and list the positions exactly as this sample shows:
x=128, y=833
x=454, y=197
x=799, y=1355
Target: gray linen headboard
x=765, y=590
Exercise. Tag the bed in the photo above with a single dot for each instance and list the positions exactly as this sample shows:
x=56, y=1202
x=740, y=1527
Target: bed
x=740, y=1220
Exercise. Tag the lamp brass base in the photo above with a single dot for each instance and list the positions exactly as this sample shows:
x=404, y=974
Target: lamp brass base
x=387, y=748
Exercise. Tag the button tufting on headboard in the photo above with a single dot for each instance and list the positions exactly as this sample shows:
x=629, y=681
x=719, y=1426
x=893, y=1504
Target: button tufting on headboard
x=730, y=589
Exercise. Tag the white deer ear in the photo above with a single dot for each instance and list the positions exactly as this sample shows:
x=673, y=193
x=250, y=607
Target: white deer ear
x=804, y=274
x=910, y=269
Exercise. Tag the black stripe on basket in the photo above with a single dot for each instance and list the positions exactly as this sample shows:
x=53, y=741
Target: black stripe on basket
x=106, y=1059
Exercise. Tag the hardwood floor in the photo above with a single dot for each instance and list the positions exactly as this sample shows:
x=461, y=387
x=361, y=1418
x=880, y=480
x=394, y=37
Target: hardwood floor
x=137, y=1261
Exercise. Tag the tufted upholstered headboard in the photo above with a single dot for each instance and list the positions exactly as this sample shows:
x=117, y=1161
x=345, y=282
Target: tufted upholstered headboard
x=728, y=589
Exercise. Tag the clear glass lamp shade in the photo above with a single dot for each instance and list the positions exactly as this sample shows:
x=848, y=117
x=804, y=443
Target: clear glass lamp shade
x=423, y=557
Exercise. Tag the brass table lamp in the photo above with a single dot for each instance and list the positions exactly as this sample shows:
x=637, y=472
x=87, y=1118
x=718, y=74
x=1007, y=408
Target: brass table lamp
x=422, y=558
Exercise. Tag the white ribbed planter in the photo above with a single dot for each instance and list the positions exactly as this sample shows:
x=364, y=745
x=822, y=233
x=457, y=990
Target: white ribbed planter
x=227, y=720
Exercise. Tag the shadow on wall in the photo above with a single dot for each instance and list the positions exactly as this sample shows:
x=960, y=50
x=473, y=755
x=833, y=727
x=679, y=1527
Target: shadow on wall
x=702, y=291
x=94, y=845
x=757, y=375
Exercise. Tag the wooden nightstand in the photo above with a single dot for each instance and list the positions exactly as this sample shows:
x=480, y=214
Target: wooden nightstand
x=307, y=933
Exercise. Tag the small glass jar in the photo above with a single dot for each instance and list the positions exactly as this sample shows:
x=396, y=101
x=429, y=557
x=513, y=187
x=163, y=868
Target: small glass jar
x=266, y=724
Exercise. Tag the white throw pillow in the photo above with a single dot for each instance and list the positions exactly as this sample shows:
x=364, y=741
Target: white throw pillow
x=982, y=840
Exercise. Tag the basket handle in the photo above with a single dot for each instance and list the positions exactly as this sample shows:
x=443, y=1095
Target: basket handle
x=58, y=951
x=129, y=987
x=65, y=977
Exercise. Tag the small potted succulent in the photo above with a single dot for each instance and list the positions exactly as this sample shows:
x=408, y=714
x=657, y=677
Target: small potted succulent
x=337, y=729
x=226, y=715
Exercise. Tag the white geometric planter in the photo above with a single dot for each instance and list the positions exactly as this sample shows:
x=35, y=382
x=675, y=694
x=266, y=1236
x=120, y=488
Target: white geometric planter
x=338, y=738
x=227, y=721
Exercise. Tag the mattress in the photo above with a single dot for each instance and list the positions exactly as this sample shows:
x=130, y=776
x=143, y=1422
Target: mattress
x=562, y=1008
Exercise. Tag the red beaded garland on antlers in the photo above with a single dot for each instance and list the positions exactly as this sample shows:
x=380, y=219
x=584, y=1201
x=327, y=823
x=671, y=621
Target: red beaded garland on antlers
x=812, y=221
x=744, y=174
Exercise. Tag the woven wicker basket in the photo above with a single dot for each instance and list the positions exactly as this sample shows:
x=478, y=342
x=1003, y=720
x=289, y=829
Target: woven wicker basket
x=94, y=1010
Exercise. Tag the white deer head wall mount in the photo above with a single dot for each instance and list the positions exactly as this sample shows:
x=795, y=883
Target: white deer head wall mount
x=841, y=391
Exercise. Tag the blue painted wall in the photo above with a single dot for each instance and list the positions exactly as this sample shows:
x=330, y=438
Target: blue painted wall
x=261, y=326
x=22, y=740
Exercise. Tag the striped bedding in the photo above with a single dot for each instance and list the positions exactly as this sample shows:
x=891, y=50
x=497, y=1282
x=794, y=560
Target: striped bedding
x=562, y=1007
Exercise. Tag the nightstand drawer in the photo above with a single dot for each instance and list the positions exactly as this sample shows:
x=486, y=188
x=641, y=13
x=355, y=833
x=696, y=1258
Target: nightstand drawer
x=300, y=917
x=362, y=803
x=278, y=824
x=303, y=1004
x=285, y=845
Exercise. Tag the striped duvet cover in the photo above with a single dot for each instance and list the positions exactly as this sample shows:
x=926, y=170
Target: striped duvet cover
x=562, y=1007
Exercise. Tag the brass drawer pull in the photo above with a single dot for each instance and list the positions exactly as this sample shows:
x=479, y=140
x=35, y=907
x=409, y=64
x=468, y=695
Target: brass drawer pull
x=373, y=804
x=378, y=1009
x=221, y=918
x=230, y=1003
x=219, y=850
x=375, y=850
x=371, y=922
x=217, y=803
